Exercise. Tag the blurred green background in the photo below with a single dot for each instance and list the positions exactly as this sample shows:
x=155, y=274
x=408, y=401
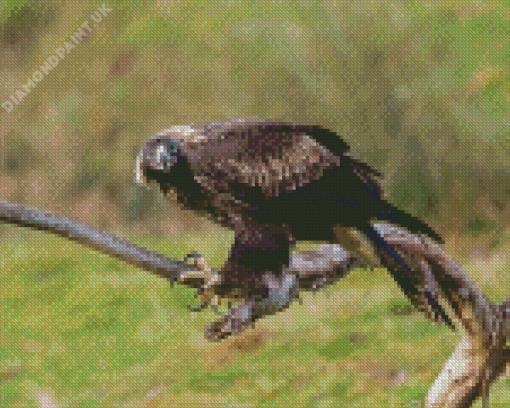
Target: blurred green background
x=418, y=89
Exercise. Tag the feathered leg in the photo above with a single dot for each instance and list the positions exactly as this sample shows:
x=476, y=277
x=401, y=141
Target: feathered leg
x=309, y=270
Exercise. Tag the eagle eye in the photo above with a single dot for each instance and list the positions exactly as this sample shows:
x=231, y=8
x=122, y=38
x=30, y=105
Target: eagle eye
x=168, y=155
x=165, y=159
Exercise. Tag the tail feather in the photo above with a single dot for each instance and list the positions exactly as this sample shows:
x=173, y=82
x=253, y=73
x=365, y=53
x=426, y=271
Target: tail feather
x=406, y=220
x=412, y=282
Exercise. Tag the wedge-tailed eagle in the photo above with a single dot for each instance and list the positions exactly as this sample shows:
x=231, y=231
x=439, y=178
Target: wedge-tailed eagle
x=274, y=183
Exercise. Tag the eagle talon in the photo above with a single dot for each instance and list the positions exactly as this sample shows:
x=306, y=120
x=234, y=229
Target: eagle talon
x=233, y=323
x=197, y=308
x=201, y=306
x=207, y=299
x=205, y=293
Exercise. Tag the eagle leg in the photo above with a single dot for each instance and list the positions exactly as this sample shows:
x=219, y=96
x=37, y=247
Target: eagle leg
x=279, y=295
x=209, y=278
x=309, y=270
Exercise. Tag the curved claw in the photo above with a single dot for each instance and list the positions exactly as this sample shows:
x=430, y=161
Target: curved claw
x=308, y=270
x=198, y=308
x=205, y=292
x=280, y=294
x=198, y=261
x=233, y=323
x=207, y=298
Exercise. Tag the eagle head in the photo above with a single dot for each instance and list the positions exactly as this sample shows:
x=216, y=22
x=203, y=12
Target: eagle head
x=156, y=157
x=163, y=160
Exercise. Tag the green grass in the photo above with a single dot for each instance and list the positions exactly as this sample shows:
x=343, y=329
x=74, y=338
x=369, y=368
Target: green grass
x=95, y=332
x=92, y=331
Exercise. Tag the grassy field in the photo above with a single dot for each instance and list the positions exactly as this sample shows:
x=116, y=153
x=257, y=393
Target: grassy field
x=91, y=331
x=419, y=90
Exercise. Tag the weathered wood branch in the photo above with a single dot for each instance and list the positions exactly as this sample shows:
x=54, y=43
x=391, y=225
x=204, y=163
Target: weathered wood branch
x=477, y=361
x=445, y=278
x=96, y=239
x=483, y=353
x=309, y=271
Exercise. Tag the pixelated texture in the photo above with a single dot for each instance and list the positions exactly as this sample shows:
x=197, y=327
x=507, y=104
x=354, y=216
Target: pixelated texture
x=272, y=183
x=418, y=90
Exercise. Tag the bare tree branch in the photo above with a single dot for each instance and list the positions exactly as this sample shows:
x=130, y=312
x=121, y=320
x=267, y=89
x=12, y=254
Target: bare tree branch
x=309, y=270
x=482, y=355
x=443, y=275
x=477, y=361
x=96, y=239
x=312, y=270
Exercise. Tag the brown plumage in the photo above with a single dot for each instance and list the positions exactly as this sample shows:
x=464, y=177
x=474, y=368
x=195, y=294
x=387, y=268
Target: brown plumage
x=273, y=183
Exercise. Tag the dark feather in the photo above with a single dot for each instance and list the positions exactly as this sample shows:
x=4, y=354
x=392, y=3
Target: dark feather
x=282, y=173
x=272, y=183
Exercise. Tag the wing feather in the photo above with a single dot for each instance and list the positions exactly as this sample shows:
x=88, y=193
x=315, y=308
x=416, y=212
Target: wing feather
x=276, y=157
